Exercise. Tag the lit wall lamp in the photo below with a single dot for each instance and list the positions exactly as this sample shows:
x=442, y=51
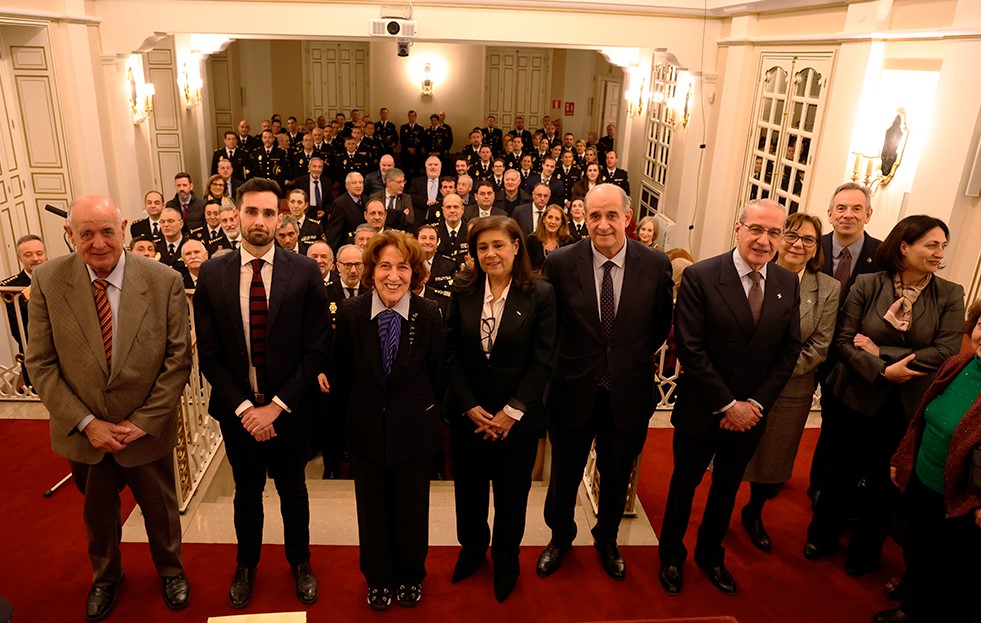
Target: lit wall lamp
x=140, y=96
x=192, y=88
x=636, y=98
x=679, y=105
x=880, y=168
x=427, y=80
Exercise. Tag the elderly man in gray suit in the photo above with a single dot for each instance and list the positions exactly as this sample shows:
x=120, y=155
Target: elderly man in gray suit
x=109, y=355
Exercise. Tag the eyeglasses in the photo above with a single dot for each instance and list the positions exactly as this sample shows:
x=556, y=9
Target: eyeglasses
x=791, y=238
x=350, y=265
x=756, y=231
x=487, y=326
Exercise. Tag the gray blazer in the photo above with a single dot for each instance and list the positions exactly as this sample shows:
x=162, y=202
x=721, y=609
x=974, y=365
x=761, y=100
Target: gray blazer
x=151, y=356
x=818, y=312
x=934, y=336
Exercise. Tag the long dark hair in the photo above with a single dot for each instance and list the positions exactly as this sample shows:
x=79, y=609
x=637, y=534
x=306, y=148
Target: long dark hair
x=890, y=253
x=471, y=280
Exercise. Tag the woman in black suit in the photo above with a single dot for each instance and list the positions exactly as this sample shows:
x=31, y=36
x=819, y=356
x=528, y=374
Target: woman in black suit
x=896, y=328
x=552, y=232
x=389, y=353
x=501, y=332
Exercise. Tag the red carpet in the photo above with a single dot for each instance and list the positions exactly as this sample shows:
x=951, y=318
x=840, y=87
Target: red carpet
x=45, y=573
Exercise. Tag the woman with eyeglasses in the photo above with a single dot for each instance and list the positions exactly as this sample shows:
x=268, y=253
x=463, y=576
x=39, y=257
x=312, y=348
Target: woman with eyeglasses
x=218, y=191
x=799, y=251
x=897, y=327
x=500, y=342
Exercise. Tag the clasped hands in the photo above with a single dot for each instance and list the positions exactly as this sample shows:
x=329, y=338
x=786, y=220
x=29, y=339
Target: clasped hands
x=740, y=417
x=493, y=427
x=899, y=372
x=110, y=437
x=258, y=421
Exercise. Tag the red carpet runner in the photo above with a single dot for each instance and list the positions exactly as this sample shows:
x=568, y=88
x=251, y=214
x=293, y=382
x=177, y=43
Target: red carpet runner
x=45, y=572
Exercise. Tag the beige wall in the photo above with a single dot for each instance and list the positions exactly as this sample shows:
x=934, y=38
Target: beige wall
x=286, y=60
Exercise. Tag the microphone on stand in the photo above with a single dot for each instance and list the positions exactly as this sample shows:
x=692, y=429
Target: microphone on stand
x=63, y=214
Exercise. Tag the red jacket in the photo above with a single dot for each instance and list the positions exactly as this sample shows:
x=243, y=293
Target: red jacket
x=967, y=436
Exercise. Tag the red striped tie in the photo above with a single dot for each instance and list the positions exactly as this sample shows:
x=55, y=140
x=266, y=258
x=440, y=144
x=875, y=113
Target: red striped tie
x=104, y=311
x=258, y=311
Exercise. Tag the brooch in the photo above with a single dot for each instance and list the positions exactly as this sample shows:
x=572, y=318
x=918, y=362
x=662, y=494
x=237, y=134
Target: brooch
x=412, y=328
x=779, y=296
x=333, y=308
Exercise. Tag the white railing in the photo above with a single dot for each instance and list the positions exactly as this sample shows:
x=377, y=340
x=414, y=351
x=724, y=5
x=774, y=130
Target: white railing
x=198, y=435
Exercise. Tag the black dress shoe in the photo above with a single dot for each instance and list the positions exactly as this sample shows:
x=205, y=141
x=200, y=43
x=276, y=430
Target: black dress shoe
x=306, y=583
x=176, y=592
x=670, y=577
x=550, y=559
x=467, y=564
x=813, y=551
x=102, y=597
x=891, y=616
x=408, y=595
x=757, y=533
x=379, y=598
x=240, y=592
x=612, y=560
x=504, y=584
x=720, y=578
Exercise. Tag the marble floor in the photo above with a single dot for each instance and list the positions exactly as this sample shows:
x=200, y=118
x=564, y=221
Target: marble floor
x=333, y=520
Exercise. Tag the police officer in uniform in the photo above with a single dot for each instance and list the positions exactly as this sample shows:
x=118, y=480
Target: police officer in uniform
x=231, y=152
x=350, y=160
x=493, y=136
x=269, y=161
x=412, y=136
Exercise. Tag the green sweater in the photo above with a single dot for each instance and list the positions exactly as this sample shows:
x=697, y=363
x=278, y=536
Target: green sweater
x=942, y=416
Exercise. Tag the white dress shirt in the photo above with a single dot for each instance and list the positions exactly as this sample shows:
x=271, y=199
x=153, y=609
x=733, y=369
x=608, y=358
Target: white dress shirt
x=617, y=273
x=495, y=309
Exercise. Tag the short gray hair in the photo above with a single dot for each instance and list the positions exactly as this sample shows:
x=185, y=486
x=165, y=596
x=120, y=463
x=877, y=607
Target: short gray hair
x=288, y=220
x=350, y=176
x=852, y=186
x=353, y=246
x=759, y=203
x=393, y=174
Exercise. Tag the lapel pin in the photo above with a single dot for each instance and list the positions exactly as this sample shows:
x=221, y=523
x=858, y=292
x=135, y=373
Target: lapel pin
x=779, y=296
x=517, y=312
x=868, y=260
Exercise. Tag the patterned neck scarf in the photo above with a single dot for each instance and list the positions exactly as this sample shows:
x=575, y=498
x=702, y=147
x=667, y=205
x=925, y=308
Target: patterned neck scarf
x=900, y=313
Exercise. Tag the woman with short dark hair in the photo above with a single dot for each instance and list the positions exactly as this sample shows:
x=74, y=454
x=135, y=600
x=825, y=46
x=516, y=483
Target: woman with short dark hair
x=389, y=349
x=897, y=327
x=500, y=342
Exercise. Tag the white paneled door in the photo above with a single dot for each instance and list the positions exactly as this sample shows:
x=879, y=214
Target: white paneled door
x=335, y=77
x=518, y=85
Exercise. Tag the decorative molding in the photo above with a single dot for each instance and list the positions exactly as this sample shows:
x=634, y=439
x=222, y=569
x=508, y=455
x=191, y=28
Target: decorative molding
x=837, y=38
x=11, y=15
x=48, y=183
x=168, y=141
x=28, y=58
x=37, y=109
x=162, y=56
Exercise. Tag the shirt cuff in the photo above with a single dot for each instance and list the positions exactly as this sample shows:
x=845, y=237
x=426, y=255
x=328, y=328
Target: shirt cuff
x=725, y=408
x=514, y=414
x=242, y=408
x=755, y=404
x=85, y=422
x=282, y=404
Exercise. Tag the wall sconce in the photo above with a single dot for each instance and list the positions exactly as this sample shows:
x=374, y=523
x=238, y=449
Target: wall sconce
x=679, y=106
x=636, y=98
x=140, y=96
x=427, y=80
x=881, y=168
x=192, y=89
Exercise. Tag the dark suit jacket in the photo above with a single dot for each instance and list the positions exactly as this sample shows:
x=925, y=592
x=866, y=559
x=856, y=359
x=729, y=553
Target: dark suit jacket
x=419, y=191
x=863, y=264
x=395, y=418
x=296, y=342
x=397, y=218
x=555, y=186
x=343, y=217
x=439, y=297
x=618, y=178
x=520, y=362
x=21, y=280
x=934, y=335
x=501, y=201
x=238, y=160
x=311, y=231
x=326, y=191
x=373, y=183
x=141, y=227
x=725, y=356
x=195, y=211
x=523, y=214
x=641, y=326
x=472, y=211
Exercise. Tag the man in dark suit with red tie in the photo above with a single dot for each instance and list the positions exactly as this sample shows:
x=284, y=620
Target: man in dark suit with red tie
x=262, y=362
x=737, y=327
x=848, y=252
x=346, y=212
x=190, y=207
x=614, y=311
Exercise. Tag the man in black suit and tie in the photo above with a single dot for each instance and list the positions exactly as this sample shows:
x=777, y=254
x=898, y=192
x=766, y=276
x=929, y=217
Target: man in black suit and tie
x=318, y=187
x=226, y=172
x=386, y=132
x=191, y=208
x=169, y=246
x=412, y=137
x=484, y=203
x=513, y=194
x=262, y=361
x=398, y=204
x=246, y=141
x=452, y=230
x=350, y=265
x=519, y=130
x=612, y=175
x=737, y=327
x=346, y=212
x=529, y=214
x=149, y=226
x=211, y=232
x=232, y=153
x=425, y=192
x=493, y=136
x=848, y=252
x=375, y=181
x=614, y=311
x=556, y=188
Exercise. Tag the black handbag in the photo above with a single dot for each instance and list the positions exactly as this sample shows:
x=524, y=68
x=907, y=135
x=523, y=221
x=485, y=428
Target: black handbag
x=974, y=472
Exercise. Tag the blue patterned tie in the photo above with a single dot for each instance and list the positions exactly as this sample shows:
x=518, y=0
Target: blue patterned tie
x=389, y=332
x=607, y=315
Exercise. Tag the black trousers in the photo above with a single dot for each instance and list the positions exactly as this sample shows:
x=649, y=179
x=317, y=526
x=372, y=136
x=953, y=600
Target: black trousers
x=943, y=560
x=615, y=454
x=691, y=458
x=393, y=519
x=284, y=458
x=508, y=464
x=861, y=448
x=153, y=488
x=819, y=462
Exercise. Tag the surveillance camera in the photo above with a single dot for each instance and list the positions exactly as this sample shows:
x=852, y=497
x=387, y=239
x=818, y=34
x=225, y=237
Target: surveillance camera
x=403, y=47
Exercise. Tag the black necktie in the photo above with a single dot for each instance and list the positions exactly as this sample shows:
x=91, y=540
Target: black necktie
x=350, y=292
x=453, y=237
x=391, y=203
x=214, y=234
x=258, y=310
x=156, y=230
x=170, y=248
x=607, y=314
x=316, y=193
